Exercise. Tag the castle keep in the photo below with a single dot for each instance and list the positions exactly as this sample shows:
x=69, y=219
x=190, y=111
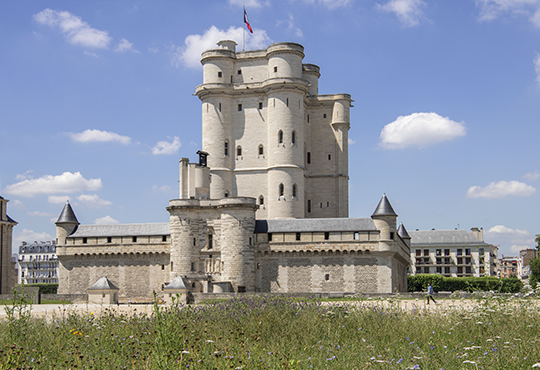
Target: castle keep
x=264, y=210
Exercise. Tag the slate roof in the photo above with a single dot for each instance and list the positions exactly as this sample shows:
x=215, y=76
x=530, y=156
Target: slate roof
x=103, y=284
x=67, y=216
x=384, y=208
x=444, y=237
x=402, y=232
x=176, y=283
x=122, y=230
x=314, y=225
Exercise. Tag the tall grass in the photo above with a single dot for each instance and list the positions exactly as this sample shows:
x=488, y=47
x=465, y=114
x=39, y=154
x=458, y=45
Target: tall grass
x=279, y=333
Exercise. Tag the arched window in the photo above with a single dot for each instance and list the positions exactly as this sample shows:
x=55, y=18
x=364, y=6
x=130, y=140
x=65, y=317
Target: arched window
x=294, y=190
x=238, y=151
x=226, y=193
x=261, y=150
x=294, y=137
x=261, y=200
x=280, y=137
x=281, y=190
x=226, y=148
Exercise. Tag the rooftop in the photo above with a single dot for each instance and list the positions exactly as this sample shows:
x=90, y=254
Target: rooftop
x=444, y=237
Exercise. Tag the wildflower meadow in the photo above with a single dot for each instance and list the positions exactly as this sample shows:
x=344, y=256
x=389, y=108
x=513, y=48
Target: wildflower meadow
x=271, y=332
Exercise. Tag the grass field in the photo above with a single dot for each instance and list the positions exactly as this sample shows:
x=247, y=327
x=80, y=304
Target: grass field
x=278, y=333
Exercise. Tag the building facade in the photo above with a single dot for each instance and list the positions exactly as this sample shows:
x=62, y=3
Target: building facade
x=524, y=268
x=508, y=266
x=7, y=267
x=37, y=263
x=452, y=253
x=265, y=208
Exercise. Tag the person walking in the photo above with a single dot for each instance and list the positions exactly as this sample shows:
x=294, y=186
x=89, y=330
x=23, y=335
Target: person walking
x=430, y=293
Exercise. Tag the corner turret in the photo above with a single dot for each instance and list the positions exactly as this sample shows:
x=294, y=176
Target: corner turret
x=385, y=219
x=66, y=224
x=403, y=234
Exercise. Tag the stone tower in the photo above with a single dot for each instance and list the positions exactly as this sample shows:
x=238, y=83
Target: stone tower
x=7, y=270
x=270, y=135
x=66, y=224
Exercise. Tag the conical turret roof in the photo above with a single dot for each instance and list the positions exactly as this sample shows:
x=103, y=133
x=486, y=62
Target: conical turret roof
x=103, y=284
x=384, y=208
x=402, y=232
x=176, y=283
x=67, y=216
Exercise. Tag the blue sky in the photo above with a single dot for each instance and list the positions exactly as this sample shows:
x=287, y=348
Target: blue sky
x=96, y=105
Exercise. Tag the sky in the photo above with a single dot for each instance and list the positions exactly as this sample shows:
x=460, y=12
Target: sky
x=97, y=105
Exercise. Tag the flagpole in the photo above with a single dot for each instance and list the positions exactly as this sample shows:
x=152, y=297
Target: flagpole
x=244, y=30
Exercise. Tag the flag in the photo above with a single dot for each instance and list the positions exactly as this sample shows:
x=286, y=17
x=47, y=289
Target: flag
x=247, y=22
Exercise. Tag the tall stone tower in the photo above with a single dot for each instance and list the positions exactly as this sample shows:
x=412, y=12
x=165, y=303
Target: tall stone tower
x=7, y=270
x=270, y=135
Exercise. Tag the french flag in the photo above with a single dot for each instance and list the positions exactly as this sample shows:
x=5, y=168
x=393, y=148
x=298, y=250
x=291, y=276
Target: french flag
x=246, y=21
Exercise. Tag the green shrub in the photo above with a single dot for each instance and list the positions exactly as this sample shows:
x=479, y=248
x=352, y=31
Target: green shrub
x=44, y=288
x=418, y=283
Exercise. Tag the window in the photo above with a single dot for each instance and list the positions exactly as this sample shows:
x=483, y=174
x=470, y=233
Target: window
x=134, y=239
x=280, y=137
x=287, y=102
x=261, y=200
x=468, y=270
x=193, y=269
x=269, y=237
x=418, y=252
x=460, y=261
x=327, y=277
x=308, y=118
x=164, y=238
x=238, y=151
x=210, y=241
x=293, y=137
x=163, y=267
x=324, y=115
x=460, y=252
x=326, y=236
x=467, y=252
x=320, y=204
x=250, y=241
x=297, y=236
x=308, y=157
x=261, y=150
x=439, y=270
x=294, y=190
x=426, y=270
x=329, y=157
x=239, y=72
x=220, y=107
x=468, y=261
x=426, y=252
x=84, y=240
x=392, y=235
x=281, y=190
x=447, y=270
x=309, y=206
x=241, y=289
x=220, y=74
x=481, y=251
x=438, y=252
x=447, y=252
x=275, y=69
x=226, y=193
x=260, y=105
x=226, y=148
x=239, y=107
x=194, y=242
x=109, y=239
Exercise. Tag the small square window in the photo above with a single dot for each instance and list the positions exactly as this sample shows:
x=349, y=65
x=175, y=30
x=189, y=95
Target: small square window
x=239, y=107
x=327, y=277
x=260, y=105
x=297, y=236
x=134, y=239
x=326, y=236
x=109, y=239
x=220, y=74
x=164, y=238
x=239, y=71
x=269, y=237
x=324, y=115
x=84, y=240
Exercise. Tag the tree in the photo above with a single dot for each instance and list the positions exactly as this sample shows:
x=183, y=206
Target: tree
x=534, y=276
x=537, y=240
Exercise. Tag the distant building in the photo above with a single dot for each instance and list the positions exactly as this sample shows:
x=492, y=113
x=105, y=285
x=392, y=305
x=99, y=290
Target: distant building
x=508, y=266
x=7, y=268
x=525, y=256
x=37, y=263
x=452, y=253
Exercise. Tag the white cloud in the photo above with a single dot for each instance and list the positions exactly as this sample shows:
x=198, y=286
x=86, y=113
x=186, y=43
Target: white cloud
x=408, y=12
x=65, y=183
x=93, y=200
x=250, y=3
x=15, y=203
x=419, y=129
x=107, y=220
x=532, y=175
x=39, y=213
x=75, y=30
x=29, y=236
x=164, y=147
x=91, y=54
x=164, y=188
x=58, y=199
x=501, y=189
x=125, y=45
x=153, y=50
x=330, y=4
x=492, y=9
x=537, y=68
x=351, y=141
x=290, y=26
x=97, y=135
x=24, y=176
x=509, y=240
x=189, y=55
